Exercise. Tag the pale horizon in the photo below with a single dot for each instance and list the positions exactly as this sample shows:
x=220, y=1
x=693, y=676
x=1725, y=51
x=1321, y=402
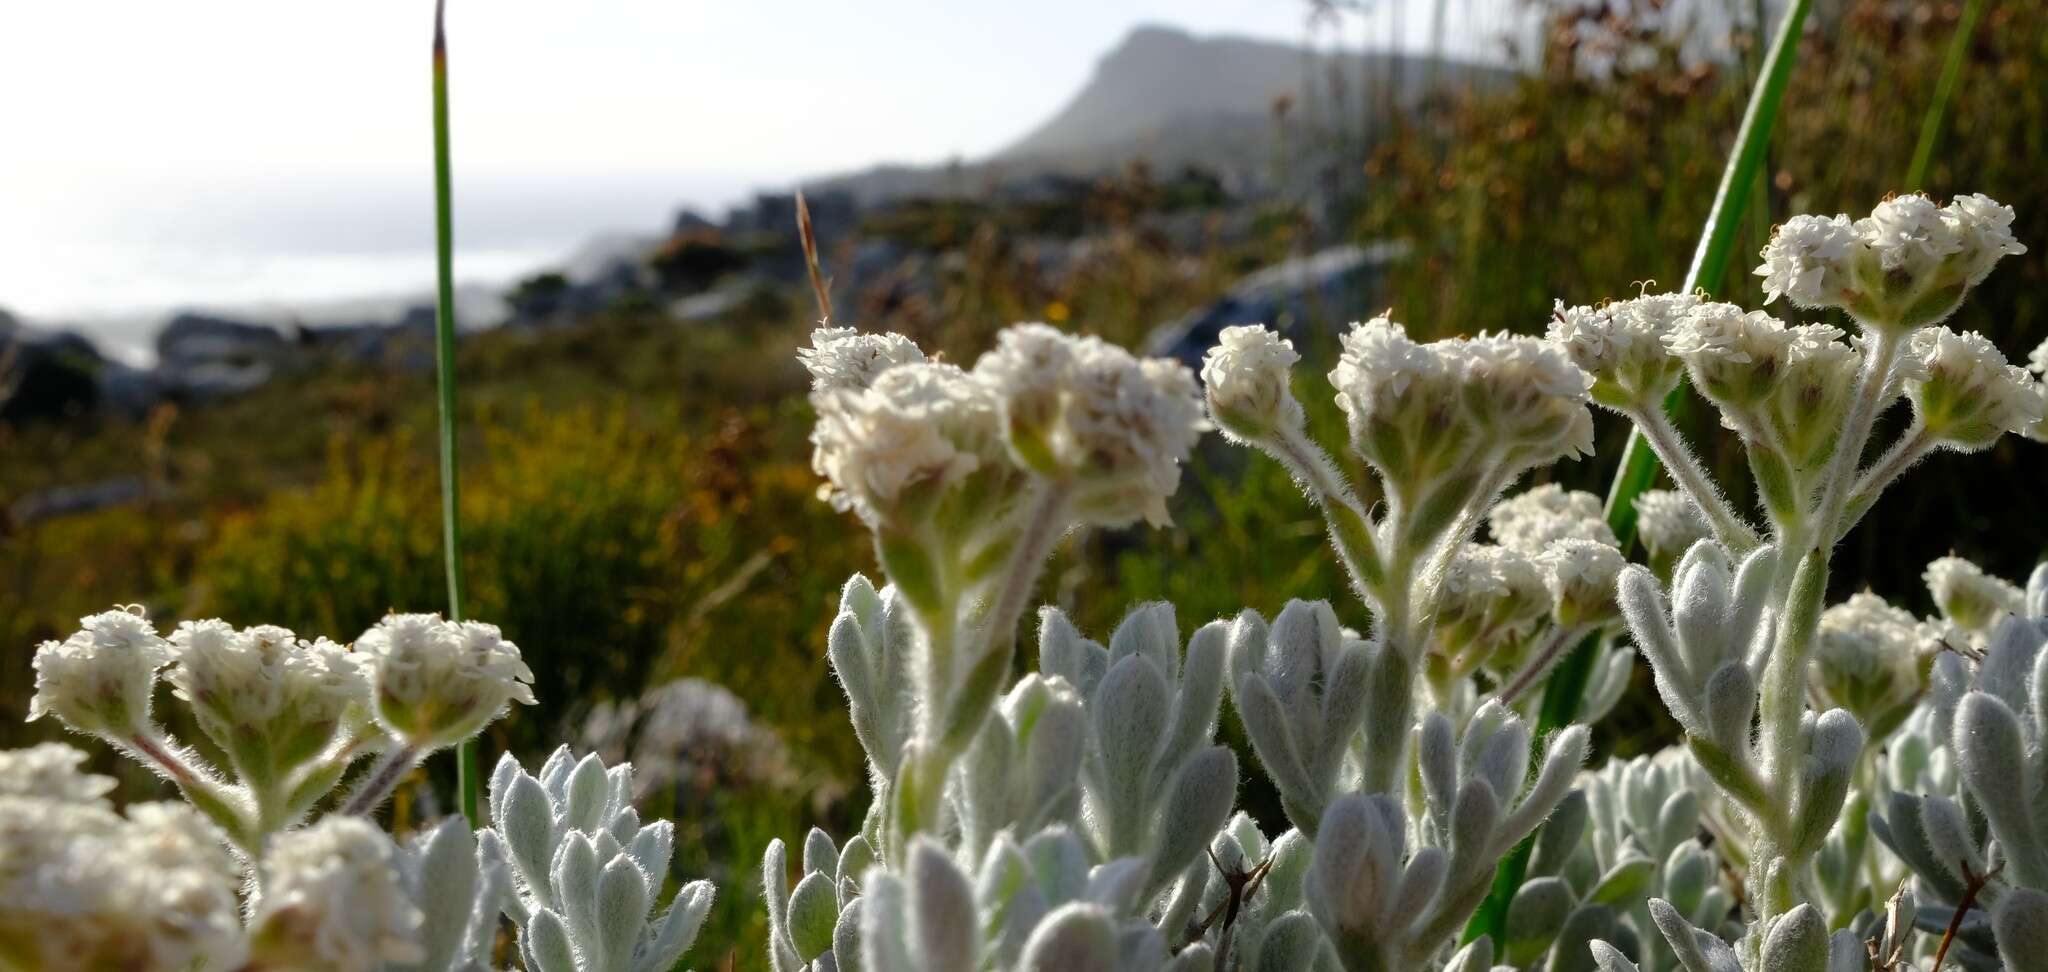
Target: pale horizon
x=200, y=154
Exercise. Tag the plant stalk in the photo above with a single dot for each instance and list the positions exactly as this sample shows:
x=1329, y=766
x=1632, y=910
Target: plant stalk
x=444, y=360
x=1944, y=90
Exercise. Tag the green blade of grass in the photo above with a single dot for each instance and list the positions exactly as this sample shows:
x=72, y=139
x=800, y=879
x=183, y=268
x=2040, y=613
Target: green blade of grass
x=1944, y=89
x=444, y=359
x=1561, y=694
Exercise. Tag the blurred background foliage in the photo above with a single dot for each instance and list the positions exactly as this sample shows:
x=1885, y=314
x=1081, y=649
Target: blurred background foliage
x=639, y=505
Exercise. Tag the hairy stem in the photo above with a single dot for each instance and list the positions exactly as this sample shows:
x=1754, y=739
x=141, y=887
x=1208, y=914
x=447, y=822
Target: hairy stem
x=383, y=779
x=1871, y=387
x=1351, y=530
x=1729, y=529
x=1781, y=703
x=1912, y=447
x=201, y=787
x=1042, y=530
x=1539, y=666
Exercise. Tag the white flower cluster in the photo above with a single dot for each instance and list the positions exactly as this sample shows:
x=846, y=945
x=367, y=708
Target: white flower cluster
x=1532, y=520
x=1247, y=377
x=1419, y=410
x=231, y=880
x=1622, y=346
x=1870, y=658
x=1969, y=597
x=1075, y=410
x=1668, y=522
x=437, y=682
x=331, y=894
x=1804, y=261
x=916, y=432
x=1734, y=356
x=1907, y=264
x=82, y=886
x=843, y=359
x=1084, y=409
x=99, y=679
x=1964, y=392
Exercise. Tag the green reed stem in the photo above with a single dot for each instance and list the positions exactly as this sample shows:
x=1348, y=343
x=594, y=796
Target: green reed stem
x=1562, y=693
x=1944, y=90
x=444, y=358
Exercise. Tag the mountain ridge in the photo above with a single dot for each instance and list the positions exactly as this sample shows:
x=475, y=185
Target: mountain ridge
x=1173, y=98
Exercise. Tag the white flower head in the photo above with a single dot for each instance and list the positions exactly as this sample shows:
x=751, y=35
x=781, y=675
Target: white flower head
x=1969, y=597
x=2037, y=360
x=436, y=683
x=1532, y=520
x=1867, y=657
x=85, y=887
x=1378, y=367
x=1813, y=389
x=1984, y=227
x=1910, y=233
x=1491, y=596
x=920, y=430
x=267, y=684
x=1581, y=576
x=1621, y=345
x=332, y=894
x=1965, y=392
x=1735, y=357
x=1247, y=377
x=52, y=771
x=99, y=680
x=1083, y=410
x=1669, y=522
x=1808, y=260
x=841, y=358
x=1528, y=391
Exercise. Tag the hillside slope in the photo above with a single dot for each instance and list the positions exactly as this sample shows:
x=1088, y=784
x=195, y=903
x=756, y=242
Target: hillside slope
x=1172, y=98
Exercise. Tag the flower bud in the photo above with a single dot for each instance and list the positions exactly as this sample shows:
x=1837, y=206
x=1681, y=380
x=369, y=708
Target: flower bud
x=1490, y=600
x=1526, y=392
x=893, y=450
x=1868, y=659
x=1807, y=261
x=1985, y=227
x=1812, y=395
x=1401, y=401
x=1735, y=358
x=1968, y=596
x=1964, y=392
x=263, y=694
x=1532, y=520
x=1581, y=575
x=1246, y=377
x=1668, y=523
x=98, y=681
x=332, y=900
x=439, y=682
x=841, y=358
x=1084, y=410
x=1621, y=345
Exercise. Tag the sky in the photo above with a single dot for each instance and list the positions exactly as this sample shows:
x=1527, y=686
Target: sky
x=233, y=150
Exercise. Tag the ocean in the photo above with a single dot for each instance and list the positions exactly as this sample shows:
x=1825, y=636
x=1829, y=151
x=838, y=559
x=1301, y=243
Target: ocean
x=113, y=258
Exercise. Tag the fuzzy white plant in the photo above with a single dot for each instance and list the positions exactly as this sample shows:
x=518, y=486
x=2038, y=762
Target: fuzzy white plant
x=235, y=880
x=1741, y=643
x=1082, y=818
